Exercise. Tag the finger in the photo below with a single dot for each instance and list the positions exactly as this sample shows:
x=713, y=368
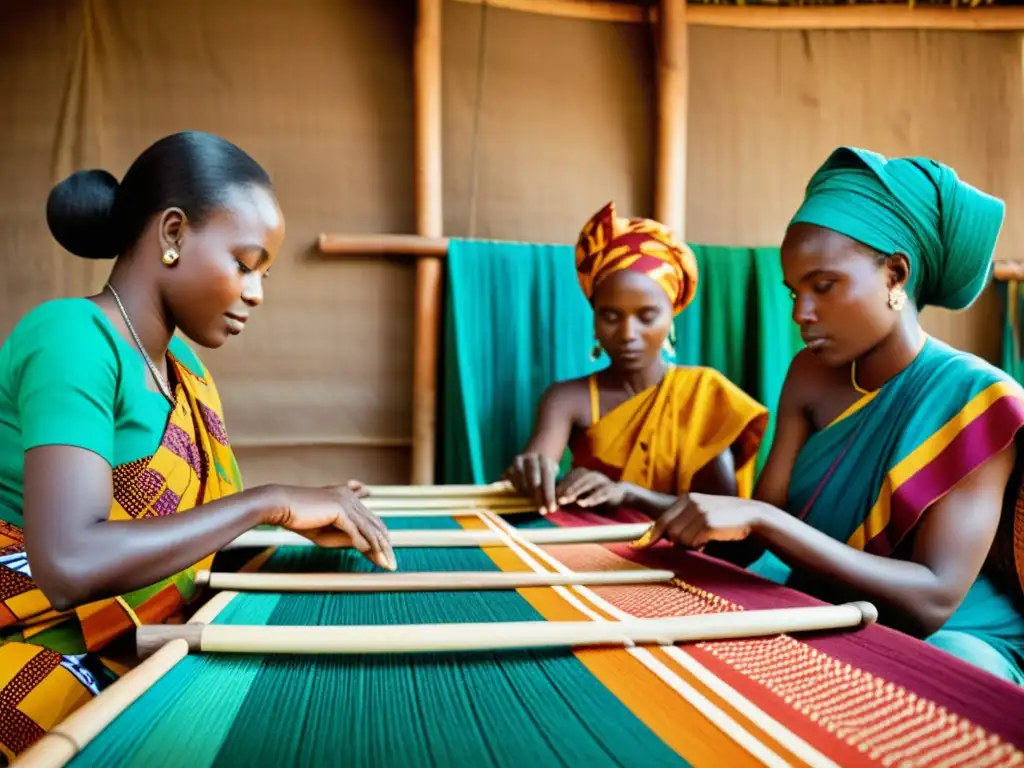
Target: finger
x=578, y=487
x=532, y=474
x=345, y=524
x=595, y=499
x=548, y=488
x=365, y=521
x=654, y=534
x=684, y=528
x=358, y=488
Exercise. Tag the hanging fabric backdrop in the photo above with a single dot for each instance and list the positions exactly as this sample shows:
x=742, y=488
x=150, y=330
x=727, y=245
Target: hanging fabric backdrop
x=516, y=321
x=1012, y=360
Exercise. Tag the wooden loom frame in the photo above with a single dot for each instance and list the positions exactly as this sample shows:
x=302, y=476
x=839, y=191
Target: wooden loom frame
x=428, y=246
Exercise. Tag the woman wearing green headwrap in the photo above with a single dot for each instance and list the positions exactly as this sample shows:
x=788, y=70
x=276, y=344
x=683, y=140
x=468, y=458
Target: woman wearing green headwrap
x=894, y=473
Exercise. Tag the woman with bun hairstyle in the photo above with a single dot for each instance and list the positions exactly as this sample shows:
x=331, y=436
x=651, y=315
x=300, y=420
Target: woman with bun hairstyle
x=117, y=480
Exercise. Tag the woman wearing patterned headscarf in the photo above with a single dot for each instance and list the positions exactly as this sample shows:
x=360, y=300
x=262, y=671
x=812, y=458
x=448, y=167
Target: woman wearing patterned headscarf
x=640, y=431
x=894, y=474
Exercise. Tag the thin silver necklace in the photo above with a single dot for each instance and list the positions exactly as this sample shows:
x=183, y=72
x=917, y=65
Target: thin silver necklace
x=161, y=382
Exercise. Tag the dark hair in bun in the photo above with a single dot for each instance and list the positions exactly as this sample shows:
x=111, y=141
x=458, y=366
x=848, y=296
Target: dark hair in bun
x=93, y=216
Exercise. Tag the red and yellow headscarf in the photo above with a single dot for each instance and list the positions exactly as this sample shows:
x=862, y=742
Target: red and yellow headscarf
x=608, y=244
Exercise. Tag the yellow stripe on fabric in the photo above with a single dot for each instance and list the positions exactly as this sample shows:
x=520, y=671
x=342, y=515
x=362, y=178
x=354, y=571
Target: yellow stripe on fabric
x=853, y=408
x=128, y=609
x=670, y=717
x=920, y=457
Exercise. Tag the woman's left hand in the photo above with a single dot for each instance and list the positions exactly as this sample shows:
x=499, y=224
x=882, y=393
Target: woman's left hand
x=697, y=519
x=586, y=488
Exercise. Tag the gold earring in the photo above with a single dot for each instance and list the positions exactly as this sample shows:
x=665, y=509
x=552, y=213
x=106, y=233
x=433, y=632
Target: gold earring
x=170, y=257
x=897, y=298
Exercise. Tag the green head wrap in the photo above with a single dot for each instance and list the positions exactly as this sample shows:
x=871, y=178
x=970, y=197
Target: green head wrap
x=914, y=206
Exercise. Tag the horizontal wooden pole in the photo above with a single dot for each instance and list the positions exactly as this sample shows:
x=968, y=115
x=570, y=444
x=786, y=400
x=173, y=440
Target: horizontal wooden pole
x=461, y=538
x=360, y=441
x=387, y=245
x=807, y=17
x=497, y=503
x=490, y=636
x=1009, y=270
x=437, y=581
x=486, y=490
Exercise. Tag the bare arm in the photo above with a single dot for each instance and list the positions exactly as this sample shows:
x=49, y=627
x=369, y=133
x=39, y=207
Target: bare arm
x=77, y=555
x=534, y=471
x=791, y=432
x=950, y=546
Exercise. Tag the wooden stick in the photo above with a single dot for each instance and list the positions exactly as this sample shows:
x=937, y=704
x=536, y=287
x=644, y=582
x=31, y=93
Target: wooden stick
x=441, y=491
x=69, y=737
x=430, y=224
x=496, y=503
x=489, y=636
x=673, y=93
x=421, y=581
x=1009, y=270
x=793, y=17
x=460, y=538
x=461, y=511
x=383, y=245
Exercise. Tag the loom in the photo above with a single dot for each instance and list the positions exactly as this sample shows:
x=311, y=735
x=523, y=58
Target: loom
x=506, y=637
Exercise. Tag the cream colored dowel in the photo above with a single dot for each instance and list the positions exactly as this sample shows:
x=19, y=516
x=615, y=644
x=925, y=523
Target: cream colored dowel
x=426, y=638
x=421, y=581
x=460, y=538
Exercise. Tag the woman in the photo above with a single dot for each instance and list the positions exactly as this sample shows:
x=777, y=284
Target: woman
x=894, y=474
x=640, y=431
x=110, y=426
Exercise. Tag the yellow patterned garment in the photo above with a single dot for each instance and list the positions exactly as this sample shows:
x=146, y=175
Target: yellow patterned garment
x=609, y=244
x=51, y=663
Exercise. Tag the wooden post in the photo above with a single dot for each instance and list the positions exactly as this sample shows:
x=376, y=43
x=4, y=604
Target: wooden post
x=429, y=223
x=673, y=93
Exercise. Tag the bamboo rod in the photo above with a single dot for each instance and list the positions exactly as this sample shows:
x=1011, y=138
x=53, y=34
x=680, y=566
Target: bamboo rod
x=429, y=224
x=392, y=245
x=460, y=538
x=673, y=90
x=422, y=581
x=441, y=491
x=497, y=503
x=467, y=511
x=1009, y=270
x=69, y=737
x=491, y=636
x=807, y=17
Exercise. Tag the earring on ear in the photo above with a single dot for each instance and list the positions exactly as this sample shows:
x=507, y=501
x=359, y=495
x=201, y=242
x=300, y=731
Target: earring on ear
x=897, y=298
x=595, y=353
x=170, y=257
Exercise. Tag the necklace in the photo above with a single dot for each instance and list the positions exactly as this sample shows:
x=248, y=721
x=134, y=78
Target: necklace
x=161, y=382
x=853, y=379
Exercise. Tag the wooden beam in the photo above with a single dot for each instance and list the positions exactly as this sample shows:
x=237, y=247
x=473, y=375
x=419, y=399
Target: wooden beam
x=673, y=92
x=699, y=14
x=388, y=245
x=1009, y=270
x=429, y=224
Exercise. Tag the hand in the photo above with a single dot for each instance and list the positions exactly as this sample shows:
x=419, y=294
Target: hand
x=697, y=519
x=357, y=487
x=334, y=517
x=534, y=475
x=587, y=488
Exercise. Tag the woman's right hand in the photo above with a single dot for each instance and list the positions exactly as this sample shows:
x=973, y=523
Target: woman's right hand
x=333, y=516
x=534, y=476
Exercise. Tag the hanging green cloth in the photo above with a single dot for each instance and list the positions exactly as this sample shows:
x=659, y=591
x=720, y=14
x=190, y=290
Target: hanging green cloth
x=516, y=321
x=1012, y=360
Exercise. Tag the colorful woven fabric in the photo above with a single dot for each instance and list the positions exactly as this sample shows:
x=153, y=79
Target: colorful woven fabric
x=609, y=244
x=661, y=437
x=50, y=662
x=858, y=697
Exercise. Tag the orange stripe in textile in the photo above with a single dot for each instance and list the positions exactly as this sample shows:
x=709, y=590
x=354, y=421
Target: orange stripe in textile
x=676, y=721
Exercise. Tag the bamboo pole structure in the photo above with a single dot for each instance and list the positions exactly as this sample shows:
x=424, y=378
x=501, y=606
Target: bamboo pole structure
x=417, y=581
x=430, y=538
x=673, y=94
x=500, y=635
x=408, y=245
x=429, y=224
x=806, y=17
